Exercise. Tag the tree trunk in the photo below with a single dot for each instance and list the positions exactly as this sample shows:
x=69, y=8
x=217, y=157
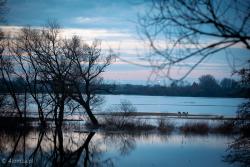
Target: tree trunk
x=41, y=117
x=91, y=116
x=61, y=113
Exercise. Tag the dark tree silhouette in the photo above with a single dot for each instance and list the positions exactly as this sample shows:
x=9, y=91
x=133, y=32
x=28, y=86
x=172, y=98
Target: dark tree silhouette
x=2, y=7
x=2, y=12
x=40, y=55
x=89, y=62
x=186, y=32
x=239, y=152
x=67, y=69
x=244, y=109
x=239, y=149
x=228, y=83
x=6, y=75
x=19, y=102
x=208, y=84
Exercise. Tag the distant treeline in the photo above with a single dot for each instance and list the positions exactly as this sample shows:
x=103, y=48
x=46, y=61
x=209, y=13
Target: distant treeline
x=207, y=86
x=174, y=90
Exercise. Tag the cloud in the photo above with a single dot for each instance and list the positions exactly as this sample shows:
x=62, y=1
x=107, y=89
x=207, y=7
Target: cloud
x=128, y=47
x=91, y=34
x=87, y=20
x=83, y=20
x=127, y=75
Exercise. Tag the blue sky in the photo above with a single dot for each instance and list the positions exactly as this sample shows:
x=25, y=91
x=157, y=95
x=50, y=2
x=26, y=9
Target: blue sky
x=113, y=22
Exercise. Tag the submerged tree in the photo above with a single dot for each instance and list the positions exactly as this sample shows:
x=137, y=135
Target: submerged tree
x=65, y=69
x=10, y=105
x=42, y=63
x=2, y=47
x=89, y=62
x=6, y=74
x=184, y=32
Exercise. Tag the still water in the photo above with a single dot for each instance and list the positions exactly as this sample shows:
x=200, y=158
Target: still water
x=78, y=148
x=171, y=104
x=113, y=149
x=192, y=105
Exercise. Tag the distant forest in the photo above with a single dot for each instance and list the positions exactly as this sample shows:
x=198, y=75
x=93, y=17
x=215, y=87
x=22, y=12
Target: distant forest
x=207, y=86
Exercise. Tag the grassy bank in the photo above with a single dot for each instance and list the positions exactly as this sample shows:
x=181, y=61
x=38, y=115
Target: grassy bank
x=163, y=125
x=129, y=122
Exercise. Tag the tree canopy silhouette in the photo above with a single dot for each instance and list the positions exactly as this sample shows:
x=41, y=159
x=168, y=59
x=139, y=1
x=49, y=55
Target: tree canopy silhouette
x=181, y=32
x=67, y=68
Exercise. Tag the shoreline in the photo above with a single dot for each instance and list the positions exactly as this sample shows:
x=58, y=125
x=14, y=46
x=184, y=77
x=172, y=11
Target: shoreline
x=173, y=115
x=142, y=114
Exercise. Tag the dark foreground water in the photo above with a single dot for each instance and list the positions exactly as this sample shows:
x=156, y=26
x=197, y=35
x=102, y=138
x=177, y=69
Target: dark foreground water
x=71, y=148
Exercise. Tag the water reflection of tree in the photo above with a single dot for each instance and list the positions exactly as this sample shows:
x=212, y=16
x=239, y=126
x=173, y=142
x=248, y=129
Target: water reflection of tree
x=53, y=150
x=124, y=142
x=13, y=142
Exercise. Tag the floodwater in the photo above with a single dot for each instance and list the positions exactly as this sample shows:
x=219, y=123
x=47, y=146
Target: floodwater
x=58, y=148
x=174, y=104
x=122, y=149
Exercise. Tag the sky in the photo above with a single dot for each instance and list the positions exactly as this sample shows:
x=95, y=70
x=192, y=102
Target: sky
x=114, y=22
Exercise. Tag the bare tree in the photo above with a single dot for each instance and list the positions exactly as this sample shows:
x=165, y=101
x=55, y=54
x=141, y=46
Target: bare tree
x=67, y=69
x=42, y=58
x=27, y=70
x=244, y=109
x=2, y=97
x=2, y=12
x=89, y=63
x=6, y=74
x=184, y=32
